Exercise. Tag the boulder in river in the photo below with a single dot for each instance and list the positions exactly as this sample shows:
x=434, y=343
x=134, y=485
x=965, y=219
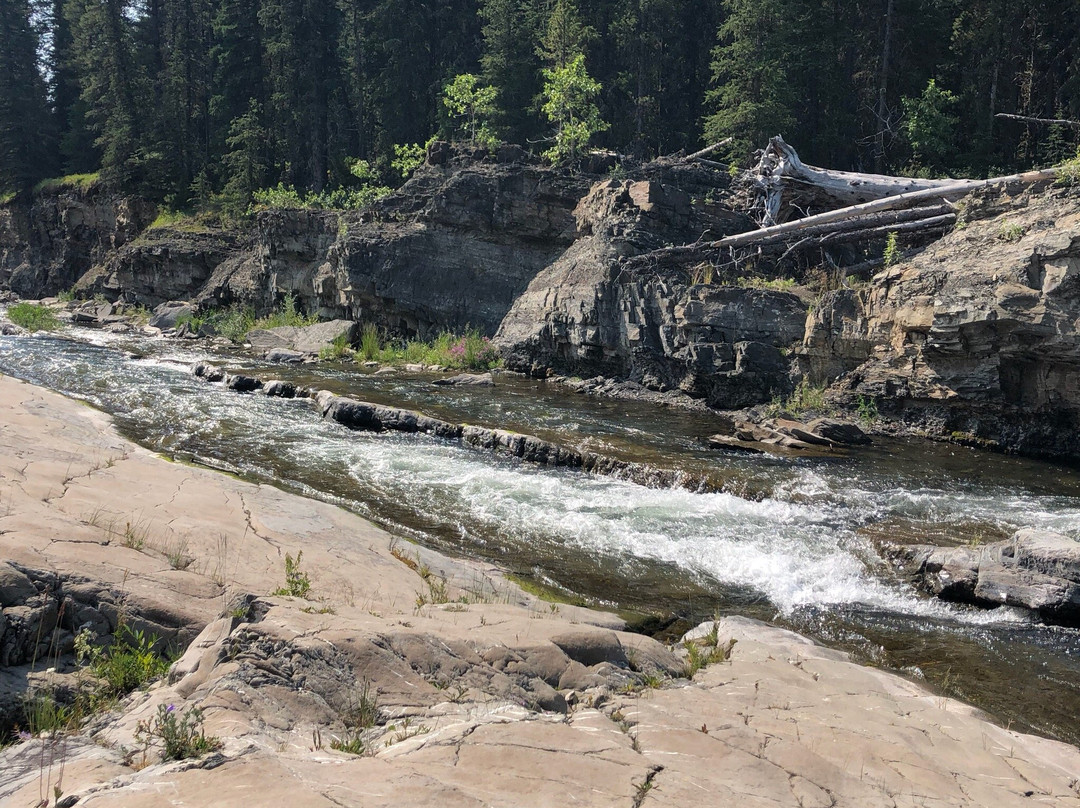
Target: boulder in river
x=467, y=380
x=243, y=384
x=212, y=373
x=167, y=315
x=1035, y=570
x=785, y=436
x=307, y=340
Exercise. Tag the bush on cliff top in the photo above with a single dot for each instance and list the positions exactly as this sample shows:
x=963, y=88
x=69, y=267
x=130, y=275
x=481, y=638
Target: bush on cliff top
x=71, y=182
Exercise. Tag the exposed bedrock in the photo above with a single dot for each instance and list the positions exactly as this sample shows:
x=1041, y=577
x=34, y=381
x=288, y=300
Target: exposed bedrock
x=451, y=250
x=976, y=337
x=594, y=311
x=49, y=243
x=1035, y=570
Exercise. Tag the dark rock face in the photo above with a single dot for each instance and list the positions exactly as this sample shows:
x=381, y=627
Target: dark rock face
x=161, y=265
x=974, y=338
x=451, y=250
x=1035, y=570
x=45, y=247
x=597, y=311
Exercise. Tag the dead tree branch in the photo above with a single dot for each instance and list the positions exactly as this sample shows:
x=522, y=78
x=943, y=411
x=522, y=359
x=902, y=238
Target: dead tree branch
x=1047, y=121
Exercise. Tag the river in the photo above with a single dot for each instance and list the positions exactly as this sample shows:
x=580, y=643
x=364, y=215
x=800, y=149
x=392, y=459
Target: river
x=794, y=542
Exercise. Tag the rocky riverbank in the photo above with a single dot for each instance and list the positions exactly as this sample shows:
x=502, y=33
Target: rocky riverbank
x=394, y=675
x=971, y=339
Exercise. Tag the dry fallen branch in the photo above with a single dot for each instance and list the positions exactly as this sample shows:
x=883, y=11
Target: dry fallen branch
x=708, y=149
x=1047, y=121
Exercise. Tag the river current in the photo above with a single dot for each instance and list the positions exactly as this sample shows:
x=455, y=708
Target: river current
x=794, y=542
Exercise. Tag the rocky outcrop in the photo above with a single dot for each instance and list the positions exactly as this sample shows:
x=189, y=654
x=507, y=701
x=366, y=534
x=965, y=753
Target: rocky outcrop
x=974, y=338
x=48, y=243
x=161, y=265
x=785, y=436
x=1035, y=570
x=407, y=677
x=597, y=311
x=452, y=249
x=302, y=340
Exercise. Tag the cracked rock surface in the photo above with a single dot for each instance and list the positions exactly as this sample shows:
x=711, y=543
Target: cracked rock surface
x=458, y=688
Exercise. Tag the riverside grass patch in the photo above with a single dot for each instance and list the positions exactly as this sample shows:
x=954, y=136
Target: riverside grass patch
x=235, y=322
x=468, y=351
x=33, y=317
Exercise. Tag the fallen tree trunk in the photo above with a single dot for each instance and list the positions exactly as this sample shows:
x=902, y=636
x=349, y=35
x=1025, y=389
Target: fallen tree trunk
x=865, y=222
x=950, y=191
x=787, y=184
x=708, y=149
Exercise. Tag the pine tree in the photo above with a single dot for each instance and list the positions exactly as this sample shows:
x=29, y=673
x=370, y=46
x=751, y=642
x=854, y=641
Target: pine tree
x=245, y=160
x=25, y=125
x=510, y=63
x=113, y=88
x=752, y=97
x=565, y=36
x=77, y=153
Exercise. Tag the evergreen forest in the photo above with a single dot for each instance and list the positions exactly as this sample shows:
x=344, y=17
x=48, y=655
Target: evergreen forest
x=211, y=102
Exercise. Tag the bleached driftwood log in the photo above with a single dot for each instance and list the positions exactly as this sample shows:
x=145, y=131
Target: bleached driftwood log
x=948, y=191
x=787, y=186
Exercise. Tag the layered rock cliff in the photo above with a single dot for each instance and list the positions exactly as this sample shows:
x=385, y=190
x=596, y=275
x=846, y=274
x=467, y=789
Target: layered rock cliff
x=46, y=245
x=978, y=336
x=975, y=338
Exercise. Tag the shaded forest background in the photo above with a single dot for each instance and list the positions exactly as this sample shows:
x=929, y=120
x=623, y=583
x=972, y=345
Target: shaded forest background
x=183, y=100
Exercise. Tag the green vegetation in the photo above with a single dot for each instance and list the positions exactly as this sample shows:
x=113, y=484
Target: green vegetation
x=286, y=197
x=43, y=714
x=804, y=398
x=297, y=583
x=179, y=220
x=336, y=350
x=893, y=254
x=181, y=736
x=930, y=129
x=236, y=321
x=33, y=317
x=569, y=103
x=407, y=158
x=705, y=651
x=72, y=182
x=867, y=410
x=1069, y=171
x=774, y=284
x=1011, y=232
x=471, y=108
x=202, y=104
x=130, y=662
x=469, y=352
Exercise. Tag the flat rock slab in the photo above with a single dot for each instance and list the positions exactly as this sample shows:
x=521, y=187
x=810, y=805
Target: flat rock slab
x=483, y=696
x=307, y=340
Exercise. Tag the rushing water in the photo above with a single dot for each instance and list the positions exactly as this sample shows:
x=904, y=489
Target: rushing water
x=795, y=542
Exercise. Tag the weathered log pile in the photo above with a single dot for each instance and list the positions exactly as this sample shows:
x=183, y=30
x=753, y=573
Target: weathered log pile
x=803, y=208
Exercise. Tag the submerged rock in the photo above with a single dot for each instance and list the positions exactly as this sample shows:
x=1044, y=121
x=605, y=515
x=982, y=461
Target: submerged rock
x=285, y=356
